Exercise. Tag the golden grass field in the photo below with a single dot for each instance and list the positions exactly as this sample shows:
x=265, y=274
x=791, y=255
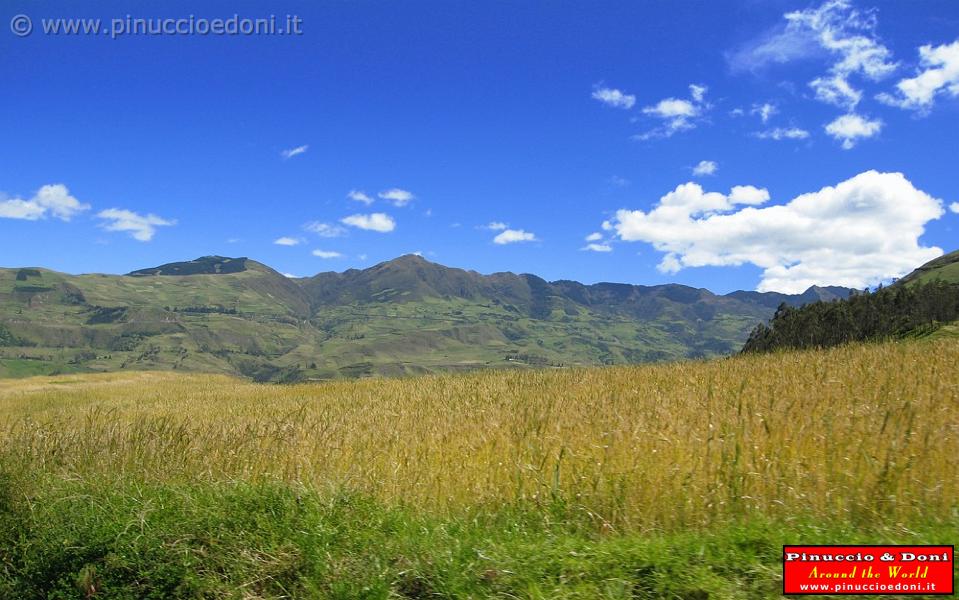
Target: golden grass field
x=858, y=433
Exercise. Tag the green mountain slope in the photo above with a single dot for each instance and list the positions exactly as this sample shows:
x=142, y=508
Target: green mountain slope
x=408, y=315
x=945, y=268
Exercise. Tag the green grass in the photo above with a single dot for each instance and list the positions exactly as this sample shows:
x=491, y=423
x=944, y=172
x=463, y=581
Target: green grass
x=123, y=539
x=947, y=331
x=18, y=367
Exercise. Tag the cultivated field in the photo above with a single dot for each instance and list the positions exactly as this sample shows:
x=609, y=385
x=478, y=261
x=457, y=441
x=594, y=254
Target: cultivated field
x=851, y=444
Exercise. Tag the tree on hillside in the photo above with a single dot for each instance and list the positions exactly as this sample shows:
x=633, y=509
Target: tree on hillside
x=885, y=313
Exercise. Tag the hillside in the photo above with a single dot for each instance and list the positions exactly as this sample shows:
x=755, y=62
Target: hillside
x=924, y=303
x=404, y=316
x=945, y=268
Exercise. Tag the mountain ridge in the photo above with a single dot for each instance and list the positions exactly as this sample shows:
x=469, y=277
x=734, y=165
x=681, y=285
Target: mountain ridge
x=214, y=260
x=402, y=316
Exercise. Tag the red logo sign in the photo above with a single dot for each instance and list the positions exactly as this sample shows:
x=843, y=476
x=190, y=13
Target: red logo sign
x=889, y=570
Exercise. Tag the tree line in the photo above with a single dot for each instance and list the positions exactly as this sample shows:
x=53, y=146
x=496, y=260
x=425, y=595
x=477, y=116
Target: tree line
x=891, y=312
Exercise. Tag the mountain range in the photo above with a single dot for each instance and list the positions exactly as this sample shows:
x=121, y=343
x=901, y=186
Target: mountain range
x=404, y=316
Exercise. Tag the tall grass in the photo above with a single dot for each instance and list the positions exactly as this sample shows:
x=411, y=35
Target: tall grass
x=860, y=434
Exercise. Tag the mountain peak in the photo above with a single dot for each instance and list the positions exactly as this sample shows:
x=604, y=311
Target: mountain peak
x=408, y=259
x=205, y=265
x=827, y=292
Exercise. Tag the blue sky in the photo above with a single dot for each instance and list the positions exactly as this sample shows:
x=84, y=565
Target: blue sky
x=729, y=145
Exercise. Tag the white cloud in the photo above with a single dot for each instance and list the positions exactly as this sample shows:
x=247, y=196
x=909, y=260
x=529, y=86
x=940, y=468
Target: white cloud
x=287, y=241
x=596, y=243
x=672, y=108
x=512, y=236
x=698, y=92
x=397, y=196
x=850, y=128
x=380, y=222
x=17, y=208
x=781, y=133
x=327, y=254
x=705, y=167
x=939, y=74
x=615, y=98
x=677, y=114
x=836, y=90
x=597, y=247
x=495, y=226
x=835, y=30
x=291, y=276
x=858, y=233
x=748, y=195
x=765, y=111
x=140, y=227
x=290, y=153
x=326, y=230
x=359, y=196
x=54, y=199
x=781, y=45
x=849, y=35
x=954, y=207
